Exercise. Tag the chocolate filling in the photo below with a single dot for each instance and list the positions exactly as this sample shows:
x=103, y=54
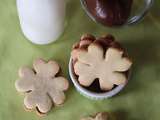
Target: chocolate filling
x=39, y=112
x=109, y=12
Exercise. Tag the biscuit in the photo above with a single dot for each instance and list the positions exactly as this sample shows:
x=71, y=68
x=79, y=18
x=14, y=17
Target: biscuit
x=98, y=116
x=41, y=86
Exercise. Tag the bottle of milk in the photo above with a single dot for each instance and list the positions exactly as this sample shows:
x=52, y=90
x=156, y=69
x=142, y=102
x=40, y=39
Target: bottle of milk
x=42, y=21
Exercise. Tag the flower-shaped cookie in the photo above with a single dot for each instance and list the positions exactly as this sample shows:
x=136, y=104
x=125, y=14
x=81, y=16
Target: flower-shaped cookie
x=42, y=86
x=107, y=66
x=99, y=116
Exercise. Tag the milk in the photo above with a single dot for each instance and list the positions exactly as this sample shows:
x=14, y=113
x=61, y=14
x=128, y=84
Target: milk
x=42, y=21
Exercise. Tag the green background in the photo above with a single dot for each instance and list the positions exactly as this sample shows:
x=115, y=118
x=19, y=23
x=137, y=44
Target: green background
x=140, y=100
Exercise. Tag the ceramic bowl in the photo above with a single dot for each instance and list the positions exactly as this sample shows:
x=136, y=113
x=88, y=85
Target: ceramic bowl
x=90, y=94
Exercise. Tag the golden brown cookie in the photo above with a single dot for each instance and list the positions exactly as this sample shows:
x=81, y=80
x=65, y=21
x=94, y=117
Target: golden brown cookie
x=98, y=116
x=41, y=86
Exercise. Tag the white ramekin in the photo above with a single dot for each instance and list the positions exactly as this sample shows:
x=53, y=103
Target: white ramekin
x=90, y=94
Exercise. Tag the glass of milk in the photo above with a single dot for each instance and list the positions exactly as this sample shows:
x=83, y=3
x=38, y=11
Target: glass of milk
x=42, y=21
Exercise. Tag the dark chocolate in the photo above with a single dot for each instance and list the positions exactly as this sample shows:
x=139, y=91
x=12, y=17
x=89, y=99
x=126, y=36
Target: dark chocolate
x=109, y=12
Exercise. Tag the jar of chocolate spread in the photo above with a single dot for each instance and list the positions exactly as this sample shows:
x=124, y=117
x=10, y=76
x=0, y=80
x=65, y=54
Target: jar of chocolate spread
x=115, y=12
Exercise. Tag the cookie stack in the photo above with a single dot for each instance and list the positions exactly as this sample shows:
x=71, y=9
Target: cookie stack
x=99, y=65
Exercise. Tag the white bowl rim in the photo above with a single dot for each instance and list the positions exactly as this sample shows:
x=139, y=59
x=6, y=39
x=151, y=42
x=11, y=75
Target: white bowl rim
x=90, y=94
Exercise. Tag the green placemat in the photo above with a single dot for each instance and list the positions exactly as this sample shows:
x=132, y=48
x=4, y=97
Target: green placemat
x=140, y=100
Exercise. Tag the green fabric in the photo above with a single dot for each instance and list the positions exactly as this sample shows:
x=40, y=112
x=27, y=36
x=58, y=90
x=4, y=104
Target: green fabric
x=140, y=100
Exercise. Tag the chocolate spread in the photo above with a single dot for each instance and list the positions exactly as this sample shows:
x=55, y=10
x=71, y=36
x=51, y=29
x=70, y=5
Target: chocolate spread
x=109, y=12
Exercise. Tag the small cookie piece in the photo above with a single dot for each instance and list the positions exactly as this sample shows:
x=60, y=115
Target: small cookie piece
x=108, y=66
x=86, y=39
x=42, y=86
x=99, y=116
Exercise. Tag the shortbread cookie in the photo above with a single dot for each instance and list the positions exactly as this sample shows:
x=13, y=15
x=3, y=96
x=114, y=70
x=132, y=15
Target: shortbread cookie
x=98, y=116
x=103, y=59
x=42, y=86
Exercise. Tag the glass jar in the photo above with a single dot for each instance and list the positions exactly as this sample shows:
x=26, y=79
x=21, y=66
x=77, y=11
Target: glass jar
x=116, y=12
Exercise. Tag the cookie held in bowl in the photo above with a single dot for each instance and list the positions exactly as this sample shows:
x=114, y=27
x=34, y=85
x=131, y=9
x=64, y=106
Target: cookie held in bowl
x=98, y=116
x=100, y=64
x=42, y=86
